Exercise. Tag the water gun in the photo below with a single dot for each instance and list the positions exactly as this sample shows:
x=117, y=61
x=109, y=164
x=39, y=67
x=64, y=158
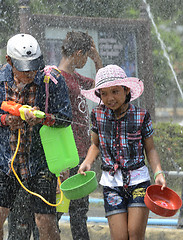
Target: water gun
x=17, y=109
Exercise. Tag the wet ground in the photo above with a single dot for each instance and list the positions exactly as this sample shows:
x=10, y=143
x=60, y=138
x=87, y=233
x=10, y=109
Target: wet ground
x=96, y=211
x=96, y=215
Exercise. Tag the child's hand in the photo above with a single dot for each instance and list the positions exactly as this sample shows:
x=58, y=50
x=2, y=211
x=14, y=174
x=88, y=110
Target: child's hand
x=160, y=180
x=84, y=167
x=93, y=51
x=64, y=175
x=94, y=55
x=14, y=122
x=30, y=118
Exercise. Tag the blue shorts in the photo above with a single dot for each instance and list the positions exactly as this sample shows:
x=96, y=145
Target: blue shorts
x=118, y=200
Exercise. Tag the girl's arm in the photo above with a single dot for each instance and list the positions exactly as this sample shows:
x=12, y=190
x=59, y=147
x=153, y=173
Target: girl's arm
x=154, y=161
x=92, y=154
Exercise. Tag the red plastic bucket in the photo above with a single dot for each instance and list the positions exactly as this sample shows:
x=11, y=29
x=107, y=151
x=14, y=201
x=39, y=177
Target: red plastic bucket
x=164, y=202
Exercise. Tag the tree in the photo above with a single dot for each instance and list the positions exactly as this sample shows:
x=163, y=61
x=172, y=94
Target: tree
x=167, y=13
x=166, y=90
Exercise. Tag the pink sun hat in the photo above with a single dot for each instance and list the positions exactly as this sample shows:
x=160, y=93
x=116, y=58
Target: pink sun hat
x=110, y=76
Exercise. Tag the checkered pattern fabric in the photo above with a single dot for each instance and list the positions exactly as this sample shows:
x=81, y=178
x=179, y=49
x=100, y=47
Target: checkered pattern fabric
x=122, y=140
x=25, y=97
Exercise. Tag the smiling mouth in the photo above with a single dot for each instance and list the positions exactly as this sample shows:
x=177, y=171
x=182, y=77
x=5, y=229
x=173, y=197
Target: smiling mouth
x=112, y=104
x=112, y=107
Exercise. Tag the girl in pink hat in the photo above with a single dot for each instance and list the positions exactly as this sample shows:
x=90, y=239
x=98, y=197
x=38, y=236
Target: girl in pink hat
x=122, y=134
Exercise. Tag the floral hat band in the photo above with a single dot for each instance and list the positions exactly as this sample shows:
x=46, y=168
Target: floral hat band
x=113, y=75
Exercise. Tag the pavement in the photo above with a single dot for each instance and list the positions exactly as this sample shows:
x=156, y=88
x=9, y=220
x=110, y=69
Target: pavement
x=100, y=230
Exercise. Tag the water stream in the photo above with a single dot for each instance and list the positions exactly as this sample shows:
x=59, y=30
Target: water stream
x=175, y=165
x=163, y=46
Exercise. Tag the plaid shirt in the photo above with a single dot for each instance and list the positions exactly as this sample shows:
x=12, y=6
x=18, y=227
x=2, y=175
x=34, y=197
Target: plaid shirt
x=121, y=140
x=24, y=97
x=31, y=157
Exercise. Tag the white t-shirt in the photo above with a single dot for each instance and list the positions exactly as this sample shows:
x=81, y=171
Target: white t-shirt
x=136, y=176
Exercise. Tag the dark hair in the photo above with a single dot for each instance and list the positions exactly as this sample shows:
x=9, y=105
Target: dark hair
x=128, y=97
x=75, y=41
x=97, y=93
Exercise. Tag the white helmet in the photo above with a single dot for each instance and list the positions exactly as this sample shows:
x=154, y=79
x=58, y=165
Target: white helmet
x=25, y=53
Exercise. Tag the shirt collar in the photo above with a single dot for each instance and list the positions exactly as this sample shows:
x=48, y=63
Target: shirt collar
x=110, y=114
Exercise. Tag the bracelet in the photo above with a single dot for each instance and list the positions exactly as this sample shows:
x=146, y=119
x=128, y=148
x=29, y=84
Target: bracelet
x=158, y=172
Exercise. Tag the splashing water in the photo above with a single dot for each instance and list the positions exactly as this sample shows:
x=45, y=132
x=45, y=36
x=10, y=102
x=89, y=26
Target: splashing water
x=163, y=46
x=175, y=165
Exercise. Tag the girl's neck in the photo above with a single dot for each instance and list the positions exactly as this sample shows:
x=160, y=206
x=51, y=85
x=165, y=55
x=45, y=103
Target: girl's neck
x=120, y=112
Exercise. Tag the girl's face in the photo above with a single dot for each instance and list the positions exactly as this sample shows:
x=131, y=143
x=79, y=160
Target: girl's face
x=114, y=97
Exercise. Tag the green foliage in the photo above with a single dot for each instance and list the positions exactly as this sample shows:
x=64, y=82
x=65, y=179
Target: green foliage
x=168, y=138
x=89, y=8
x=47, y=7
x=165, y=85
x=166, y=10
x=167, y=14
x=161, y=9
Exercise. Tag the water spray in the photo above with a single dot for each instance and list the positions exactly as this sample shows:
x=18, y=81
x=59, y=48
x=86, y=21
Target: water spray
x=163, y=46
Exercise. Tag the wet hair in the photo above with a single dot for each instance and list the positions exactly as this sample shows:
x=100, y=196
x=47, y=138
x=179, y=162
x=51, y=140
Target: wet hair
x=76, y=41
x=97, y=93
x=128, y=97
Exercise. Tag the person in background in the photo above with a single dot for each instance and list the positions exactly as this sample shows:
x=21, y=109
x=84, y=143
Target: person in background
x=22, y=81
x=76, y=49
x=122, y=132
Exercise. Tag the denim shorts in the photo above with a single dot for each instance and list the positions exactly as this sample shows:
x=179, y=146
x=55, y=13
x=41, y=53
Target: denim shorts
x=118, y=199
x=43, y=183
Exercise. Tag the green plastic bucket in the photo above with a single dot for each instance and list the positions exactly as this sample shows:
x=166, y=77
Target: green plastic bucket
x=64, y=205
x=59, y=148
x=79, y=185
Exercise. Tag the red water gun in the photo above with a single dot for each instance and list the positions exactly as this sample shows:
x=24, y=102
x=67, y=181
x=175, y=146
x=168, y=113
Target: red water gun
x=17, y=109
